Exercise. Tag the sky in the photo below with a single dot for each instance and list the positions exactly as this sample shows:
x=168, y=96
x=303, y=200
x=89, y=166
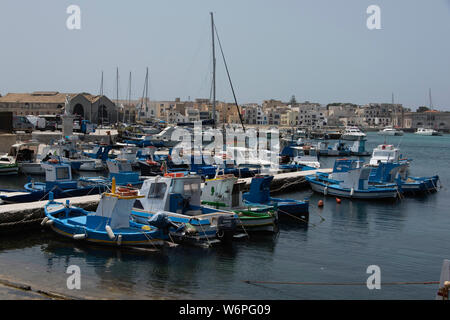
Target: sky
x=317, y=50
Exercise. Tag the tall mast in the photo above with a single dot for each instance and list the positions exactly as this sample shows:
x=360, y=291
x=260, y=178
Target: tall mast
x=214, y=72
x=100, y=101
x=129, y=101
x=146, y=92
x=431, y=102
x=117, y=96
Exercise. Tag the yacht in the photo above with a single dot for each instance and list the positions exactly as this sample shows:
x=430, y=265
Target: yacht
x=390, y=131
x=353, y=133
x=428, y=132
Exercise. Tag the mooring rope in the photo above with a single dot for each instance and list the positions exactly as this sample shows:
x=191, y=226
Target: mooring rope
x=340, y=283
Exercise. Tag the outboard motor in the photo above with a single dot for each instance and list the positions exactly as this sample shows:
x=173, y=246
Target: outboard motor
x=161, y=221
x=226, y=228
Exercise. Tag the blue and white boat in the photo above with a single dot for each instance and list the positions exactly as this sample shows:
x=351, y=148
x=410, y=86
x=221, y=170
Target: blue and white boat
x=58, y=179
x=120, y=170
x=259, y=194
x=178, y=197
x=397, y=173
x=108, y=225
x=350, y=179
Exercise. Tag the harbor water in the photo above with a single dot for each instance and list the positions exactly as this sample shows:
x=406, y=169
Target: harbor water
x=408, y=239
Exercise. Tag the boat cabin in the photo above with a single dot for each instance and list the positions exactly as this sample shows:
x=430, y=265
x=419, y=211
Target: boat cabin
x=350, y=174
x=58, y=175
x=384, y=153
x=173, y=192
x=223, y=191
x=122, y=171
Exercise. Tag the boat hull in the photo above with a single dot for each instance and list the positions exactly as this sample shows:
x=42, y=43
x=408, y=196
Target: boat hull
x=321, y=188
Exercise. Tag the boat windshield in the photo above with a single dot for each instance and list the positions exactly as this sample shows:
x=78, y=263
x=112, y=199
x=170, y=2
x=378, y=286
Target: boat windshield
x=157, y=190
x=383, y=154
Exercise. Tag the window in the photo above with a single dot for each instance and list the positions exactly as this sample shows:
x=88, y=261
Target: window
x=157, y=190
x=62, y=173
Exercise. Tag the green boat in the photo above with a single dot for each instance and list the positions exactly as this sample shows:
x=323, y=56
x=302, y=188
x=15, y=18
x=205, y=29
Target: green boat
x=8, y=165
x=225, y=192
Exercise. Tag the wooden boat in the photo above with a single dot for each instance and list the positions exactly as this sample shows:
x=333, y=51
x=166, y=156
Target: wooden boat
x=259, y=194
x=350, y=179
x=178, y=197
x=58, y=180
x=108, y=225
x=225, y=192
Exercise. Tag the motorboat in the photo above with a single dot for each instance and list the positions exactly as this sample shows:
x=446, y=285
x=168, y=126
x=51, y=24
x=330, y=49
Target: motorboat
x=225, y=192
x=352, y=134
x=390, y=131
x=384, y=153
x=178, y=196
x=109, y=225
x=427, y=132
x=350, y=179
x=259, y=194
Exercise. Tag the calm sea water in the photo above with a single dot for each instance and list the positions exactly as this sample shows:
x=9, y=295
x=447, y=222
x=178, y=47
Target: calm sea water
x=407, y=239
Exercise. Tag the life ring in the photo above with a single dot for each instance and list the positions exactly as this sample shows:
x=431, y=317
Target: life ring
x=127, y=192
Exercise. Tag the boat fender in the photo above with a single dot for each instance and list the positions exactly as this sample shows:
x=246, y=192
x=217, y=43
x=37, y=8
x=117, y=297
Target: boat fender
x=44, y=221
x=325, y=191
x=80, y=236
x=338, y=200
x=119, y=240
x=111, y=234
x=320, y=204
x=352, y=192
x=49, y=222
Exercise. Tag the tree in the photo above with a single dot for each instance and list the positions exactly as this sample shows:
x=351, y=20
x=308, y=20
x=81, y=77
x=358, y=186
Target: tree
x=422, y=109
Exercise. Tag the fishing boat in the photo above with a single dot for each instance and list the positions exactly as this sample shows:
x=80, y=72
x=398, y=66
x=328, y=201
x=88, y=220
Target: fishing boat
x=397, y=174
x=306, y=155
x=25, y=155
x=427, y=132
x=352, y=134
x=390, y=131
x=259, y=194
x=350, y=179
x=225, y=192
x=337, y=149
x=108, y=225
x=8, y=165
x=58, y=179
x=178, y=196
x=120, y=170
x=384, y=153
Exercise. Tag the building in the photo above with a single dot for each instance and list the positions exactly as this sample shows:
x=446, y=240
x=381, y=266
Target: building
x=94, y=108
x=438, y=120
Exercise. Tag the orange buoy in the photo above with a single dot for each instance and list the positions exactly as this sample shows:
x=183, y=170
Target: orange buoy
x=338, y=200
x=320, y=204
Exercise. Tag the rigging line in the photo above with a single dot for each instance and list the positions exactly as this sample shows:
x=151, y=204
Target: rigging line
x=229, y=78
x=341, y=283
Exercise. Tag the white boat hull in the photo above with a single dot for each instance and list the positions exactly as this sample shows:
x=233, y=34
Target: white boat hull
x=31, y=168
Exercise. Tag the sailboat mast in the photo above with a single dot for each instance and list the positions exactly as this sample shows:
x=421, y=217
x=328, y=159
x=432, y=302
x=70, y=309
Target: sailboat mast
x=129, y=100
x=117, y=96
x=431, y=102
x=214, y=72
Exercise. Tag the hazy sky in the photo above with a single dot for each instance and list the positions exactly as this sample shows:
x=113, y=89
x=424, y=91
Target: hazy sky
x=318, y=50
